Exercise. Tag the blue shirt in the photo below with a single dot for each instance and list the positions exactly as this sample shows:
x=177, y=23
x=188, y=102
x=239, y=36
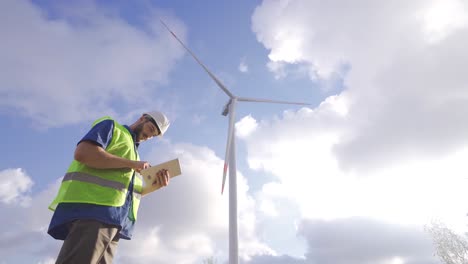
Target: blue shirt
x=101, y=135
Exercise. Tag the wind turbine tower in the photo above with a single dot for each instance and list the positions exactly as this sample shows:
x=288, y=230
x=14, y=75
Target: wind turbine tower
x=230, y=156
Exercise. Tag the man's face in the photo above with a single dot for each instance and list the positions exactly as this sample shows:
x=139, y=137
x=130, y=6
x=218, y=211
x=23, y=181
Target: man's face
x=146, y=130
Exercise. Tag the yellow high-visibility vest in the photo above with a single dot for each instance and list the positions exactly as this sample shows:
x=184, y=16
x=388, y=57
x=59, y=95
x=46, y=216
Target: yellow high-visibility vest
x=82, y=184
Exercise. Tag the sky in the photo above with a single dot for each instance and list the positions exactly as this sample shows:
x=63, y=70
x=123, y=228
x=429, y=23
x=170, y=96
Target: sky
x=354, y=178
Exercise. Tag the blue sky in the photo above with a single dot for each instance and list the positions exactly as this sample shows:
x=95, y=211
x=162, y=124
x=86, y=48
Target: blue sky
x=380, y=150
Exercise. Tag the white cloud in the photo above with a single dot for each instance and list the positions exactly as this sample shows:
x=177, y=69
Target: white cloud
x=75, y=66
x=245, y=126
x=398, y=82
x=309, y=175
x=278, y=68
x=394, y=139
x=441, y=18
x=359, y=241
x=47, y=261
x=243, y=67
x=336, y=33
x=268, y=208
x=26, y=227
x=15, y=185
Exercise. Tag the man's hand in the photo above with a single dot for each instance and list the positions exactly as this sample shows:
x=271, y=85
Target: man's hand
x=162, y=178
x=140, y=165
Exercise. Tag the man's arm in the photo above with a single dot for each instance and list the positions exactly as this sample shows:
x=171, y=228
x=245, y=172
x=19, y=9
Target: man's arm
x=96, y=157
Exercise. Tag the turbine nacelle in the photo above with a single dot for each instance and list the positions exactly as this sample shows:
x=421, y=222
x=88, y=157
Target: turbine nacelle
x=226, y=108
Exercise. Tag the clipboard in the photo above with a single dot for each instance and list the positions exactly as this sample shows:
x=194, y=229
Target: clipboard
x=149, y=174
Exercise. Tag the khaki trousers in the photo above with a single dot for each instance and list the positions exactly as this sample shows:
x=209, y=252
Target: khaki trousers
x=89, y=241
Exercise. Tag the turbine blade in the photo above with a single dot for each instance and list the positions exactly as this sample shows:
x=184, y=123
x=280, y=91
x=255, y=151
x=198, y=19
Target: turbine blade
x=227, y=155
x=246, y=99
x=217, y=81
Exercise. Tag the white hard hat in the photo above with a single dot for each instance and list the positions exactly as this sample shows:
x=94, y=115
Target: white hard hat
x=161, y=121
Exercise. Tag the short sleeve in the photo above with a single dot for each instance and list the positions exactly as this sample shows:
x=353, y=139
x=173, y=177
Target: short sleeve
x=100, y=134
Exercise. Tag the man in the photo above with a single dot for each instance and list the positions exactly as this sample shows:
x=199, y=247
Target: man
x=98, y=199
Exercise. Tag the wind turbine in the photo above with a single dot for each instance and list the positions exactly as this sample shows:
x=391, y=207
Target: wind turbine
x=230, y=156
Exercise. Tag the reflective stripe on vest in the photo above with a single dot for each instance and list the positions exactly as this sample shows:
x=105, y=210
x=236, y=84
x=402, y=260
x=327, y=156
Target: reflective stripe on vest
x=78, y=176
x=83, y=177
